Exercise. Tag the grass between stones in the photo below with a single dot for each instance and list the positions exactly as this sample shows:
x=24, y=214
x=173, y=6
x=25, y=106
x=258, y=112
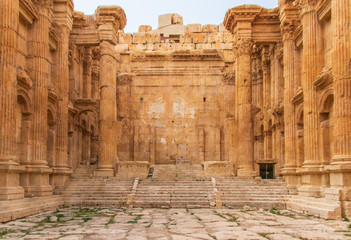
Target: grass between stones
x=3, y=233
x=275, y=211
x=136, y=219
x=265, y=235
x=111, y=220
x=213, y=237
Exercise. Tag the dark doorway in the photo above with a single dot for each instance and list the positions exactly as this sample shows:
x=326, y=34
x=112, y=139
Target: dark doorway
x=267, y=170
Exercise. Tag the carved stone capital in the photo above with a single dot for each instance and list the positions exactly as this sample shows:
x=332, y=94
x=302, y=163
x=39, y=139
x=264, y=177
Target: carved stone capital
x=45, y=7
x=228, y=78
x=124, y=79
x=288, y=30
x=243, y=46
x=95, y=52
x=306, y=5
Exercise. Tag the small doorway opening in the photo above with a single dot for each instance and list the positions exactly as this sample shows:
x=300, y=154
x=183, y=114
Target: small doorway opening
x=267, y=170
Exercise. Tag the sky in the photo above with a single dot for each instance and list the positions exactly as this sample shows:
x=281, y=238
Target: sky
x=146, y=12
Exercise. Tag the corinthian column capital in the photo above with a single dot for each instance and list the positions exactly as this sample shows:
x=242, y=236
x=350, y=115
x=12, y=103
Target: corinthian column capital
x=243, y=46
x=306, y=5
x=288, y=30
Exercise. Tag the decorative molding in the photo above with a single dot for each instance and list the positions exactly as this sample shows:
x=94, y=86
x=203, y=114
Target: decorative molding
x=27, y=11
x=206, y=55
x=324, y=10
x=324, y=79
x=228, y=78
x=298, y=37
x=23, y=80
x=53, y=39
x=124, y=79
x=52, y=95
x=243, y=46
x=298, y=98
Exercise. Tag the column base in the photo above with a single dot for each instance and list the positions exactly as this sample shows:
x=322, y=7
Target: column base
x=311, y=180
x=104, y=173
x=9, y=182
x=59, y=178
x=35, y=181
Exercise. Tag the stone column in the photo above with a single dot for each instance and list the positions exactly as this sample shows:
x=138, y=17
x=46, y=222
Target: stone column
x=243, y=49
x=61, y=170
x=289, y=170
x=312, y=66
x=341, y=162
x=110, y=20
x=108, y=112
x=87, y=67
x=39, y=71
x=266, y=68
x=9, y=166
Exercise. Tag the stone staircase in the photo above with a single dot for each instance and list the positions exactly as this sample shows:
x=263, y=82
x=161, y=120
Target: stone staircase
x=237, y=193
x=84, y=190
x=180, y=185
x=185, y=193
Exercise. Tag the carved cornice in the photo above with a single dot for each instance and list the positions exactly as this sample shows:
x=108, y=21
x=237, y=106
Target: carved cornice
x=206, y=55
x=240, y=13
x=23, y=80
x=228, y=78
x=298, y=98
x=124, y=79
x=53, y=39
x=298, y=37
x=52, y=95
x=324, y=79
x=243, y=46
x=110, y=19
x=324, y=10
x=27, y=11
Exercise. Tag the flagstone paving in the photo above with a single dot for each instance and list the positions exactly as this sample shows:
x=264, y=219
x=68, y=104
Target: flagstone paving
x=173, y=224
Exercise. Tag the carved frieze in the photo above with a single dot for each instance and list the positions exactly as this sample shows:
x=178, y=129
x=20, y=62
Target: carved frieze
x=27, y=11
x=228, y=78
x=124, y=79
x=324, y=79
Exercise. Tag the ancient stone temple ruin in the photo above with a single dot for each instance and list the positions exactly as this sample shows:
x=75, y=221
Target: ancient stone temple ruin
x=255, y=111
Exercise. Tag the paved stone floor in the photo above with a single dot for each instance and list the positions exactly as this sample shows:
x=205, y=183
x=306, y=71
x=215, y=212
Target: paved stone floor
x=173, y=224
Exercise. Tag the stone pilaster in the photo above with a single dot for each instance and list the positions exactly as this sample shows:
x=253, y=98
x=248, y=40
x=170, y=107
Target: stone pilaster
x=9, y=166
x=63, y=11
x=37, y=181
x=243, y=50
x=312, y=65
x=110, y=20
x=340, y=169
x=266, y=68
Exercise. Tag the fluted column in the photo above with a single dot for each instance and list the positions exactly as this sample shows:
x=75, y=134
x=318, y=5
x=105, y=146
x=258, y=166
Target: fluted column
x=289, y=170
x=341, y=59
x=87, y=67
x=243, y=50
x=110, y=20
x=266, y=68
x=61, y=169
x=108, y=127
x=9, y=167
x=312, y=65
x=39, y=71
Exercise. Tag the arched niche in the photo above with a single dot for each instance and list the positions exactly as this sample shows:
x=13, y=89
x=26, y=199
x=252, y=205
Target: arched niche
x=51, y=136
x=23, y=127
x=326, y=127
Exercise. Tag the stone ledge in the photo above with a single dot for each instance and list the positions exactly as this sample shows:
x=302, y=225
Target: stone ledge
x=133, y=169
x=219, y=169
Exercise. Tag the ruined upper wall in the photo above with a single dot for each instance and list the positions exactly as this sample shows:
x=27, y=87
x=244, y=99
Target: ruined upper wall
x=172, y=35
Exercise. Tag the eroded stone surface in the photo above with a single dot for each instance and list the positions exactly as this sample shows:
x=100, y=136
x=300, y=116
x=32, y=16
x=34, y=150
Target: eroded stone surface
x=173, y=224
